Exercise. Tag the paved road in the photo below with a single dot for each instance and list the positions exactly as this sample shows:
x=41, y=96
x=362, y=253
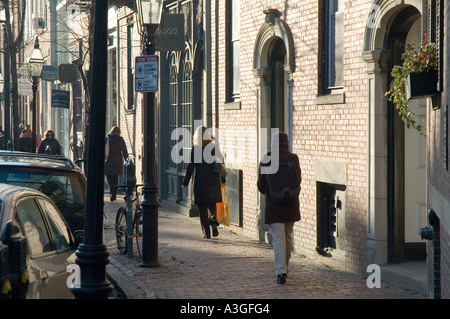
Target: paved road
x=229, y=266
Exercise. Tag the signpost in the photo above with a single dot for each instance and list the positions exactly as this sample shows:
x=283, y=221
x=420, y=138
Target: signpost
x=49, y=73
x=61, y=98
x=24, y=81
x=67, y=73
x=170, y=34
x=146, y=73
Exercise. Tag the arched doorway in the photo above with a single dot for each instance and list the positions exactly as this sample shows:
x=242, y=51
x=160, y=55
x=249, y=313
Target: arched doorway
x=407, y=160
x=273, y=66
x=397, y=183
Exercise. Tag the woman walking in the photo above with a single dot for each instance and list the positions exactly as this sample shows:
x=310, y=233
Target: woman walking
x=206, y=181
x=49, y=144
x=116, y=154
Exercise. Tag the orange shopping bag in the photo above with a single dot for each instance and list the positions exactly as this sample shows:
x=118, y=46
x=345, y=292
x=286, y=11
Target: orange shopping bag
x=222, y=209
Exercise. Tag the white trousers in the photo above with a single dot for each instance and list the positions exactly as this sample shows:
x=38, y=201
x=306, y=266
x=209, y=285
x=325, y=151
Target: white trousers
x=282, y=242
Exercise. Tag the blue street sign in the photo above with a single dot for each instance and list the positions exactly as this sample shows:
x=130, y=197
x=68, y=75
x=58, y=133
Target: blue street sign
x=49, y=73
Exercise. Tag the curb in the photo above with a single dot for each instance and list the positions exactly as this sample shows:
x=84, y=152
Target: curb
x=123, y=285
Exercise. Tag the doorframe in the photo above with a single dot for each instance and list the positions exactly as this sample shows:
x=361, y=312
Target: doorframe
x=383, y=220
x=273, y=29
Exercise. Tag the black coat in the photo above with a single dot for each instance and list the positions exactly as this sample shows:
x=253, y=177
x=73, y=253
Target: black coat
x=25, y=143
x=55, y=148
x=280, y=212
x=118, y=154
x=207, y=182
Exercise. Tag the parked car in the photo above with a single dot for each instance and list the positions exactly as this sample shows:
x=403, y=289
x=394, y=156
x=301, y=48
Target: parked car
x=40, y=244
x=56, y=176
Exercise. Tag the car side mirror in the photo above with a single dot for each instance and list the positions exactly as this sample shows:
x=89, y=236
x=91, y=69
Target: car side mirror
x=79, y=237
x=10, y=231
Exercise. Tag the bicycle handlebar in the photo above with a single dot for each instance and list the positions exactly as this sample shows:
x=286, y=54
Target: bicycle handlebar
x=128, y=186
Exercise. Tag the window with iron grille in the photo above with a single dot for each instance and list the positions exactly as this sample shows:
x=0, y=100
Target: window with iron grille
x=186, y=103
x=330, y=216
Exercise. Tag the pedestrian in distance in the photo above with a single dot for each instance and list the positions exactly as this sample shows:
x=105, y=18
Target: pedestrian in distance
x=116, y=154
x=2, y=137
x=29, y=131
x=49, y=145
x=30, y=135
x=25, y=141
x=206, y=181
x=281, y=214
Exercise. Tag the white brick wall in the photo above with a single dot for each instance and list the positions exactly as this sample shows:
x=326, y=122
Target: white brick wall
x=334, y=133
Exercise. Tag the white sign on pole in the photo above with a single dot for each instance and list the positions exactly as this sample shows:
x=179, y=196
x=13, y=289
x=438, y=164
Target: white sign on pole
x=24, y=81
x=146, y=77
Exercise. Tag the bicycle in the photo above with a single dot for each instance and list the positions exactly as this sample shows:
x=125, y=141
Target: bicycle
x=129, y=225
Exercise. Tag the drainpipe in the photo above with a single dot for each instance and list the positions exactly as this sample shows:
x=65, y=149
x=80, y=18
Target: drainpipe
x=207, y=99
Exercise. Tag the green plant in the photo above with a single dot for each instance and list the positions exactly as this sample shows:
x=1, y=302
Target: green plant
x=416, y=59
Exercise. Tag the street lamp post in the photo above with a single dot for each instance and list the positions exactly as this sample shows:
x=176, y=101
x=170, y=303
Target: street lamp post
x=149, y=15
x=35, y=65
x=92, y=254
x=2, y=86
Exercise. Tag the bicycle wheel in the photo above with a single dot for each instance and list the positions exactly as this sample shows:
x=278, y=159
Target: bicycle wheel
x=138, y=229
x=121, y=230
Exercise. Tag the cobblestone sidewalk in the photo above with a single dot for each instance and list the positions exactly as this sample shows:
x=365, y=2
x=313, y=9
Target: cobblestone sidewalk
x=229, y=266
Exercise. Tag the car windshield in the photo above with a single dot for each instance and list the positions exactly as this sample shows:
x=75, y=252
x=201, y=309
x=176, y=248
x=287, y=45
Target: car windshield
x=63, y=187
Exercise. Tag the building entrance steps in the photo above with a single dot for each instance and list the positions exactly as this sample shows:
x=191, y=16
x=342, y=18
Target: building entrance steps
x=408, y=275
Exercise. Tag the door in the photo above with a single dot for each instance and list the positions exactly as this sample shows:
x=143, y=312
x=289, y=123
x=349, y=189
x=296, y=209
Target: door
x=278, y=117
x=406, y=168
x=274, y=109
x=415, y=172
x=415, y=177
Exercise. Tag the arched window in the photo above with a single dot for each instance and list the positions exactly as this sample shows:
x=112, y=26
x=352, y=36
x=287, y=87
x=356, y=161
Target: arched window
x=173, y=103
x=179, y=116
x=186, y=99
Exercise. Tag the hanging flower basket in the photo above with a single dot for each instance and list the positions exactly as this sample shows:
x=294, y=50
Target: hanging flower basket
x=421, y=85
x=416, y=78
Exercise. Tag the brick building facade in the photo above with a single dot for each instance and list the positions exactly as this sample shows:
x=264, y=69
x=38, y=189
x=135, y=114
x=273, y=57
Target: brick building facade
x=318, y=70
x=327, y=127
x=438, y=177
